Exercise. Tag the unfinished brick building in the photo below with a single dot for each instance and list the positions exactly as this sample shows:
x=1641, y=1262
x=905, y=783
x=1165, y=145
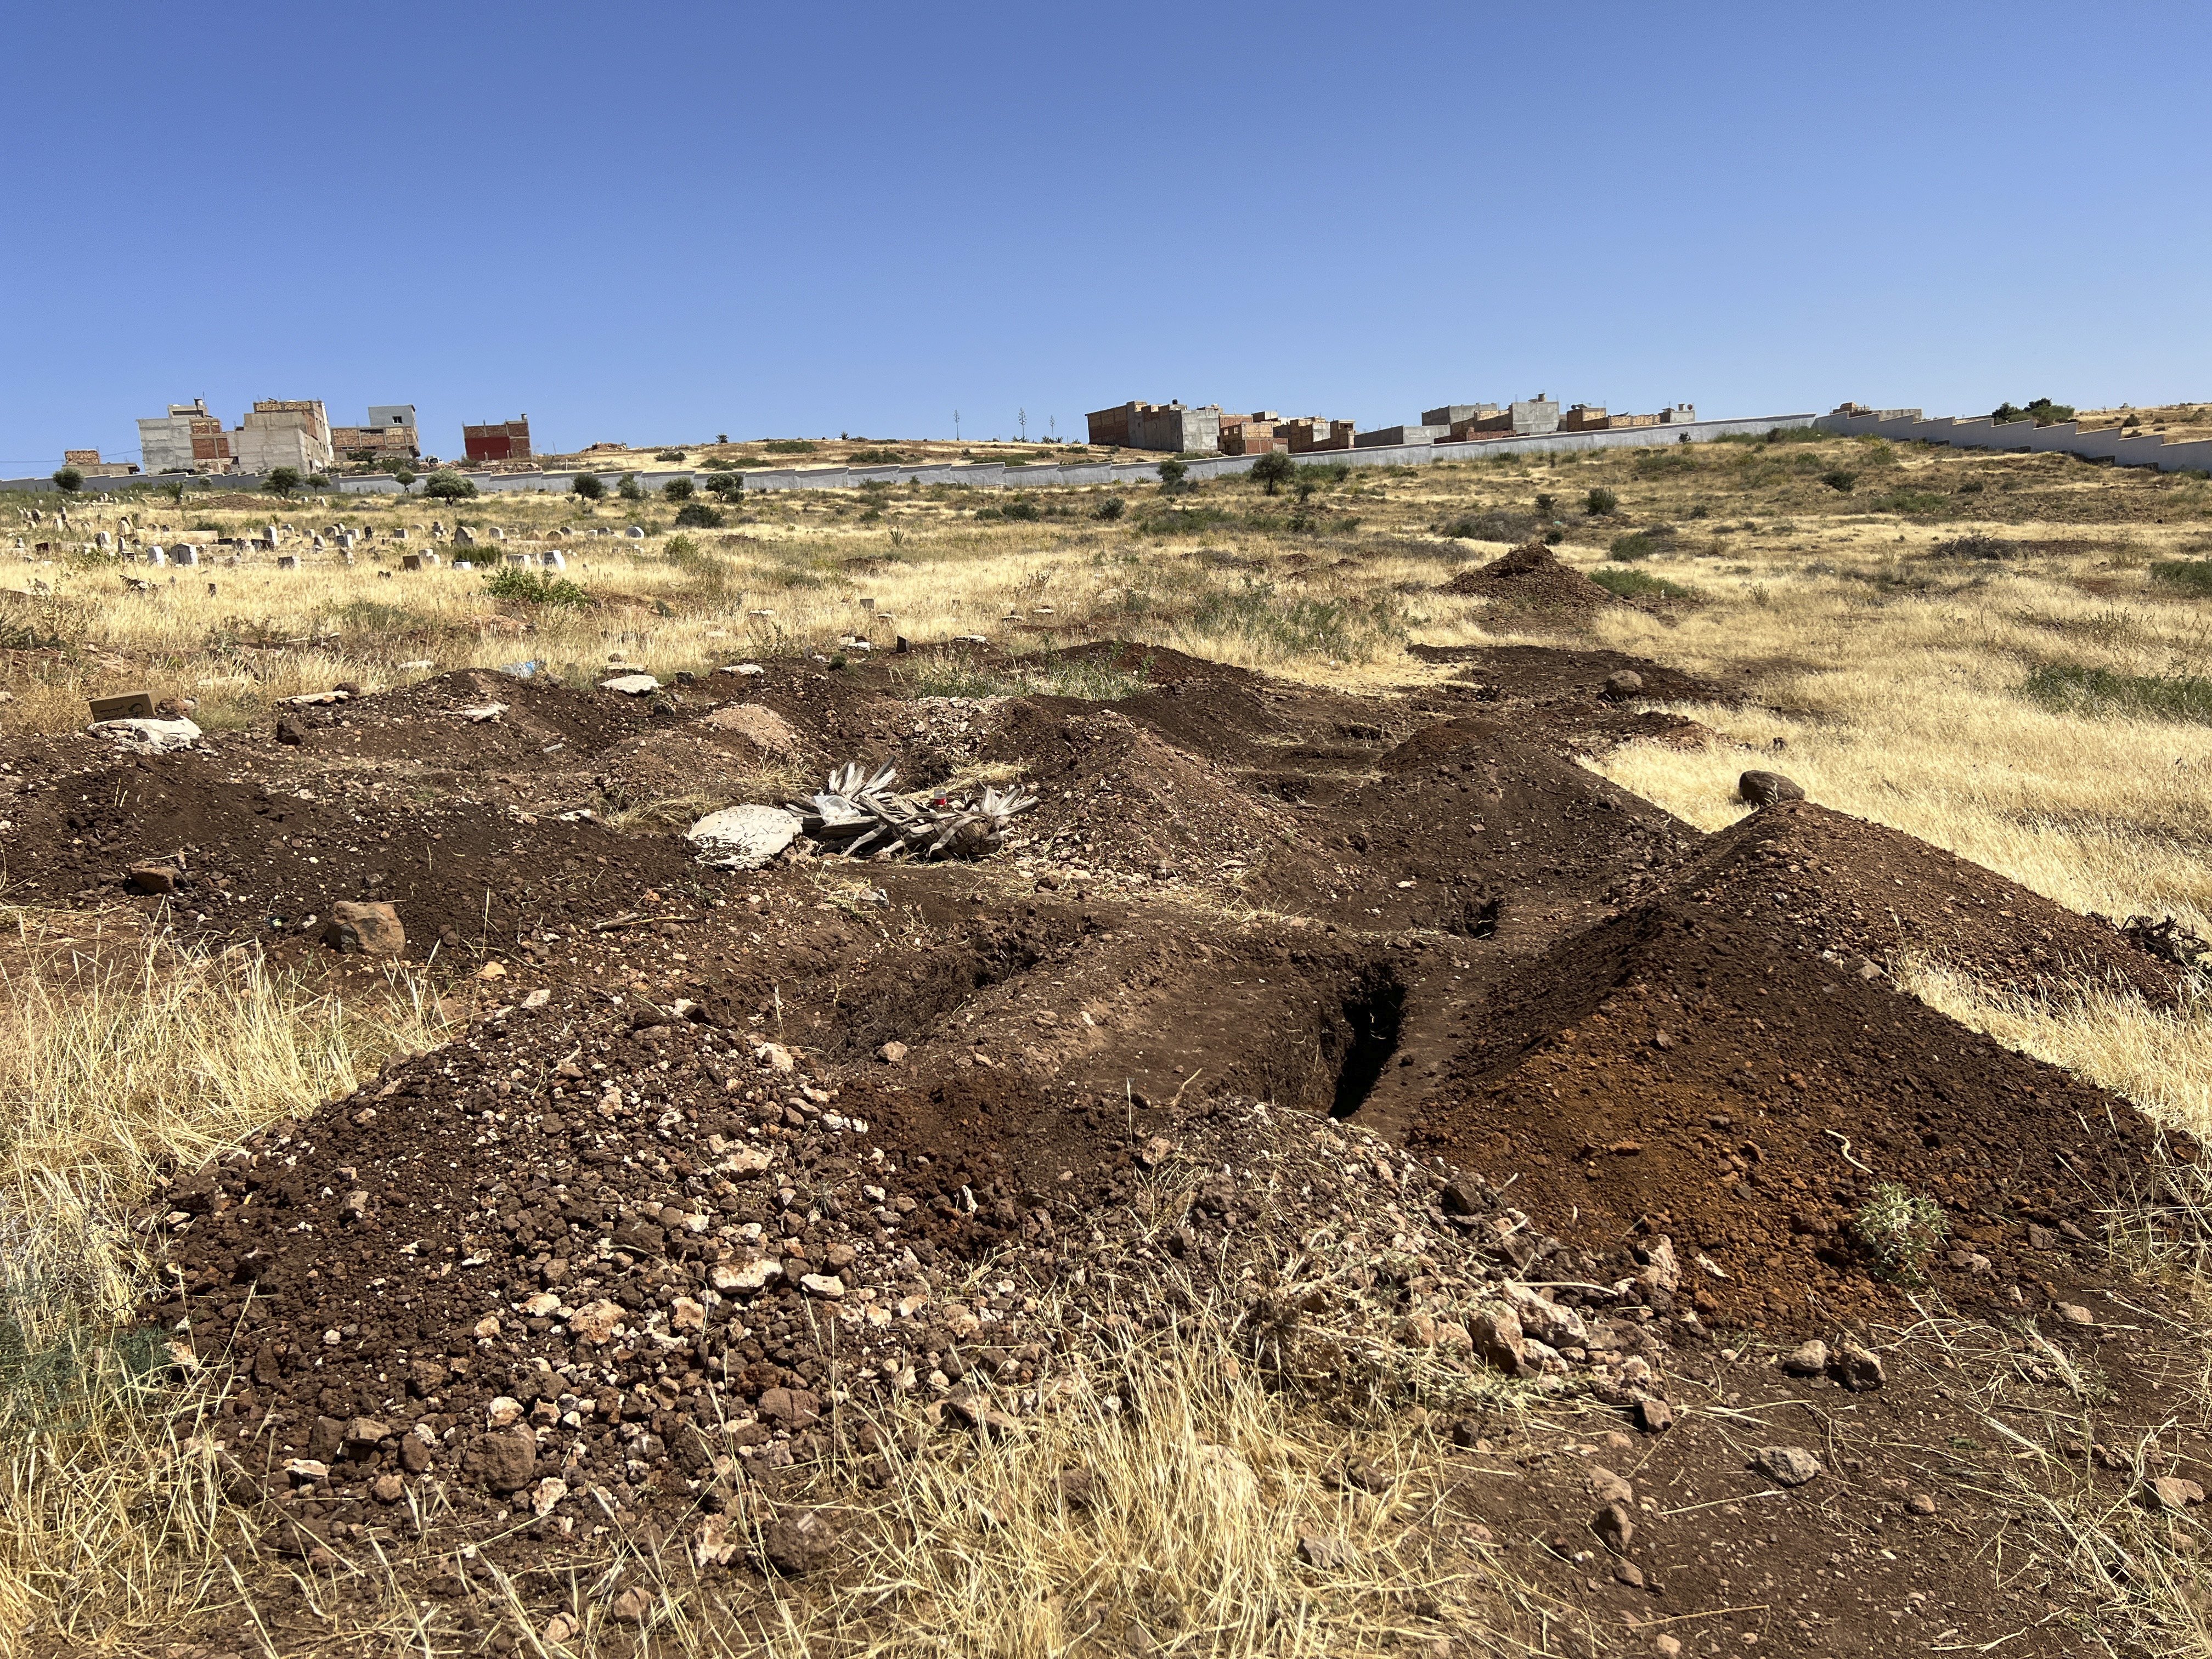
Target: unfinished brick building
x=503, y=441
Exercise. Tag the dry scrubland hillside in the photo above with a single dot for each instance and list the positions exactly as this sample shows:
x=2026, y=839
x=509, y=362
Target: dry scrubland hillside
x=1133, y=1348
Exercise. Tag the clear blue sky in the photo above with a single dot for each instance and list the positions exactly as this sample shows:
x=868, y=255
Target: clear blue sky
x=659, y=223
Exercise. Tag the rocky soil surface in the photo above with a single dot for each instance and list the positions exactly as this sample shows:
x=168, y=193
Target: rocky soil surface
x=1448, y=1077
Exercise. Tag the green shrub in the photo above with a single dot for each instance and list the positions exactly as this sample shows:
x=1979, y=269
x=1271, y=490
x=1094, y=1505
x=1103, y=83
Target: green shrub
x=725, y=486
x=1172, y=473
x=534, y=588
x=1020, y=508
x=1626, y=584
x=629, y=488
x=1636, y=544
x=1495, y=524
x=789, y=447
x=1314, y=474
x=1839, y=480
x=2073, y=688
x=2189, y=575
x=1601, y=502
x=1274, y=469
x=1902, y=1228
x=1912, y=501
x=677, y=490
x=588, y=486
x=668, y=455
x=697, y=515
x=1110, y=509
x=402, y=475
x=1977, y=546
x=68, y=480
x=2042, y=411
x=448, y=486
x=1546, y=504
x=281, y=480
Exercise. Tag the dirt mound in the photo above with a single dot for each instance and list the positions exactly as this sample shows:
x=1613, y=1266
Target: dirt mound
x=1115, y=795
x=1821, y=880
x=1683, y=1073
x=1532, y=578
x=1472, y=828
x=588, y=1266
x=254, y=861
x=545, y=726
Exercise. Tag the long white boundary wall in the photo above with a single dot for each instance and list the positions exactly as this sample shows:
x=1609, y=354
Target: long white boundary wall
x=2066, y=437
x=998, y=475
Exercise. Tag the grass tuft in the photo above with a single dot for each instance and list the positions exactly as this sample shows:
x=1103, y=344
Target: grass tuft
x=2075, y=688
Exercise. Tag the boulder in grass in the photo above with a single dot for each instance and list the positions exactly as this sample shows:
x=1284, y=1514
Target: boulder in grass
x=1766, y=789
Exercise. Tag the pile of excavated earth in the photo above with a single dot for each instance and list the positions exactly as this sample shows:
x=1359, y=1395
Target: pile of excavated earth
x=1439, y=1071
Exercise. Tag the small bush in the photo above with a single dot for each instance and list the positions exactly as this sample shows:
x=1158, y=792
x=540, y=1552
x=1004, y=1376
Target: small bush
x=1172, y=474
x=1601, y=502
x=1974, y=547
x=1547, y=503
x=789, y=447
x=68, y=480
x=588, y=486
x=2042, y=411
x=1839, y=480
x=1317, y=473
x=281, y=480
x=448, y=486
x=1626, y=584
x=2189, y=575
x=1274, y=469
x=629, y=488
x=2076, y=689
x=1912, y=501
x=668, y=455
x=1902, y=1228
x=1636, y=544
x=1495, y=524
x=1110, y=509
x=1020, y=508
x=697, y=515
x=1973, y=486
x=534, y=588
x=677, y=490
x=402, y=475
x=725, y=486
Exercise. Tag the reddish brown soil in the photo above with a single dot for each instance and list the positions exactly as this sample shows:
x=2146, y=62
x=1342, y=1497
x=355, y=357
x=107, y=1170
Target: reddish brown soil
x=1415, y=912
x=1820, y=881
x=1531, y=579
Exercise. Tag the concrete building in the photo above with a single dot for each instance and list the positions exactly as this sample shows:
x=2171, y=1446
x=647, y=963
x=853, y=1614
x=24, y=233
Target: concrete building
x=88, y=462
x=1586, y=418
x=1531, y=417
x=501, y=441
x=187, y=440
x=1386, y=436
x=389, y=433
x=1452, y=414
x=1257, y=434
x=1175, y=428
x=1313, y=433
x=1680, y=415
x=292, y=432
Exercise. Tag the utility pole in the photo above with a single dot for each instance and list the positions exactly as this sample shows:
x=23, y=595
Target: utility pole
x=1023, y=416
x=956, y=426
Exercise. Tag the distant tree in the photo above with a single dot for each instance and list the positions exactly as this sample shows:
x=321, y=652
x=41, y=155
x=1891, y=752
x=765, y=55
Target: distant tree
x=173, y=490
x=588, y=486
x=1110, y=509
x=281, y=480
x=726, y=485
x=402, y=475
x=318, y=481
x=68, y=480
x=1600, y=503
x=1172, y=473
x=2042, y=411
x=1547, y=503
x=448, y=486
x=677, y=490
x=1274, y=469
x=629, y=488
x=697, y=515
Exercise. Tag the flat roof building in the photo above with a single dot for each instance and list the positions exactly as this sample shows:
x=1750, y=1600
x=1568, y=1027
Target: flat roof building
x=1172, y=427
x=186, y=440
x=292, y=432
x=498, y=440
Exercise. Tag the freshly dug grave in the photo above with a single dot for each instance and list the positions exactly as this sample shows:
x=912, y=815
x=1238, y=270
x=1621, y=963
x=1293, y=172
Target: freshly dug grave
x=1681, y=1071
x=1531, y=579
x=1822, y=881
x=575, y=1270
